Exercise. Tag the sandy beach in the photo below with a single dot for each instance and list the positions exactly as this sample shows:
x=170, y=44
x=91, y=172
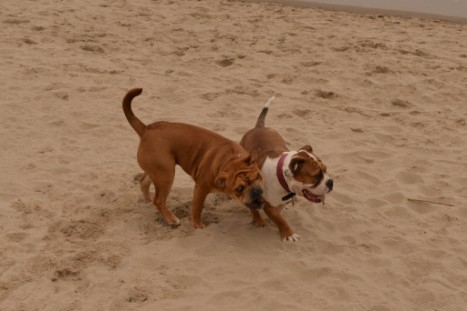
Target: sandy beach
x=381, y=99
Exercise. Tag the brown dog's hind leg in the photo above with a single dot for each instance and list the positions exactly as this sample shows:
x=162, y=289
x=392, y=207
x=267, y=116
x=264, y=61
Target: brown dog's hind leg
x=163, y=186
x=199, y=195
x=145, y=183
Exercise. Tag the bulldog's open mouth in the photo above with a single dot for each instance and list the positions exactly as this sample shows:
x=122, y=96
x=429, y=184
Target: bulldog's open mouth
x=312, y=197
x=256, y=203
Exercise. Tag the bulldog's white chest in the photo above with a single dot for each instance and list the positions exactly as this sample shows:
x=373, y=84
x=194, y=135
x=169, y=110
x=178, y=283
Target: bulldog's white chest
x=273, y=191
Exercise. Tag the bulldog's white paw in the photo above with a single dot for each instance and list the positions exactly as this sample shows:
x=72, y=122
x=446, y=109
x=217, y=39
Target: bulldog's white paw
x=292, y=238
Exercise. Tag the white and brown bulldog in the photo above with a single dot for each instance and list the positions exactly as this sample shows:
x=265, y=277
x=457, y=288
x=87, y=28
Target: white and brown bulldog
x=286, y=174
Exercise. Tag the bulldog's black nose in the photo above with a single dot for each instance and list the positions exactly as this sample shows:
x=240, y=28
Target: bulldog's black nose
x=256, y=199
x=330, y=184
x=256, y=193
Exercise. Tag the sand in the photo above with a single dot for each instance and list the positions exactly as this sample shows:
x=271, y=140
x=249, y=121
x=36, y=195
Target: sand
x=381, y=99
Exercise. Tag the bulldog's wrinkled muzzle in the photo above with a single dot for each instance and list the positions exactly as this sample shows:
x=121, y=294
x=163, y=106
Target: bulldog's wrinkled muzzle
x=256, y=198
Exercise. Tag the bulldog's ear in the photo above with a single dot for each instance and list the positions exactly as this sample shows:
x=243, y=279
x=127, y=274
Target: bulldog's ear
x=296, y=164
x=307, y=148
x=220, y=181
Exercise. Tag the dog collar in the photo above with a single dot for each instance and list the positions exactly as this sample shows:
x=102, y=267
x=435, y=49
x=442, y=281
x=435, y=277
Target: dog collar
x=281, y=178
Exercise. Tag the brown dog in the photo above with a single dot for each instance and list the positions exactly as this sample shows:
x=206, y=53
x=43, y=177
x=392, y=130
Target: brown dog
x=286, y=173
x=215, y=163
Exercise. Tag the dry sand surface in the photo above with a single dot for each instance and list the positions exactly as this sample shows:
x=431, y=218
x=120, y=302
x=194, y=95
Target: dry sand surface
x=381, y=99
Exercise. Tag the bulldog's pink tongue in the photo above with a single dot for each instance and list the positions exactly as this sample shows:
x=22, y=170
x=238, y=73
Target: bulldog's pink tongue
x=313, y=197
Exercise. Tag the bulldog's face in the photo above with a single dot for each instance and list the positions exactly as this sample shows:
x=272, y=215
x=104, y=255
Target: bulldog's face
x=309, y=177
x=241, y=179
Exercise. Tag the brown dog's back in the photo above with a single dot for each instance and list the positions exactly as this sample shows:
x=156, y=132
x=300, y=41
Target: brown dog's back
x=193, y=155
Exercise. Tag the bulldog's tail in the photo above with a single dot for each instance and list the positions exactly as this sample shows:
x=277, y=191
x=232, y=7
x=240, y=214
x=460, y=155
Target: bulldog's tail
x=136, y=123
x=262, y=116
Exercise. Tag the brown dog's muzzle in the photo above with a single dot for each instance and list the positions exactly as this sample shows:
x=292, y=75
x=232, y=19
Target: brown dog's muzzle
x=255, y=198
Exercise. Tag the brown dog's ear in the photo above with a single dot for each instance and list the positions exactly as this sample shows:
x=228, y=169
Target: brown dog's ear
x=296, y=164
x=220, y=181
x=307, y=148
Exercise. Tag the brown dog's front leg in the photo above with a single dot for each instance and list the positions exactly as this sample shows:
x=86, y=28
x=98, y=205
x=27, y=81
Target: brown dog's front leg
x=199, y=195
x=275, y=215
x=256, y=219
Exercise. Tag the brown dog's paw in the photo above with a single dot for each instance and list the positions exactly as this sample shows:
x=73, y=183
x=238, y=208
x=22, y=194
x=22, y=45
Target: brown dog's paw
x=198, y=225
x=258, y=222
x=146, y=199
x=173, y=221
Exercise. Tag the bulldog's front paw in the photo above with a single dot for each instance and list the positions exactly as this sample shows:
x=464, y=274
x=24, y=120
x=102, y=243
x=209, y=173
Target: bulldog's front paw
x=198, y=224
x=257, y=220
x=293, y=237
x=173, y=221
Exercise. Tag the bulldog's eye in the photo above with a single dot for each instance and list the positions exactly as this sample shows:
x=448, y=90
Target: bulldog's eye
x=318, y=177
x=239, y=189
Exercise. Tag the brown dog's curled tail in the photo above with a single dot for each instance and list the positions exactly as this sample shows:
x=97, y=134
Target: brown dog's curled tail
x=136, y=123
x=262, y=116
